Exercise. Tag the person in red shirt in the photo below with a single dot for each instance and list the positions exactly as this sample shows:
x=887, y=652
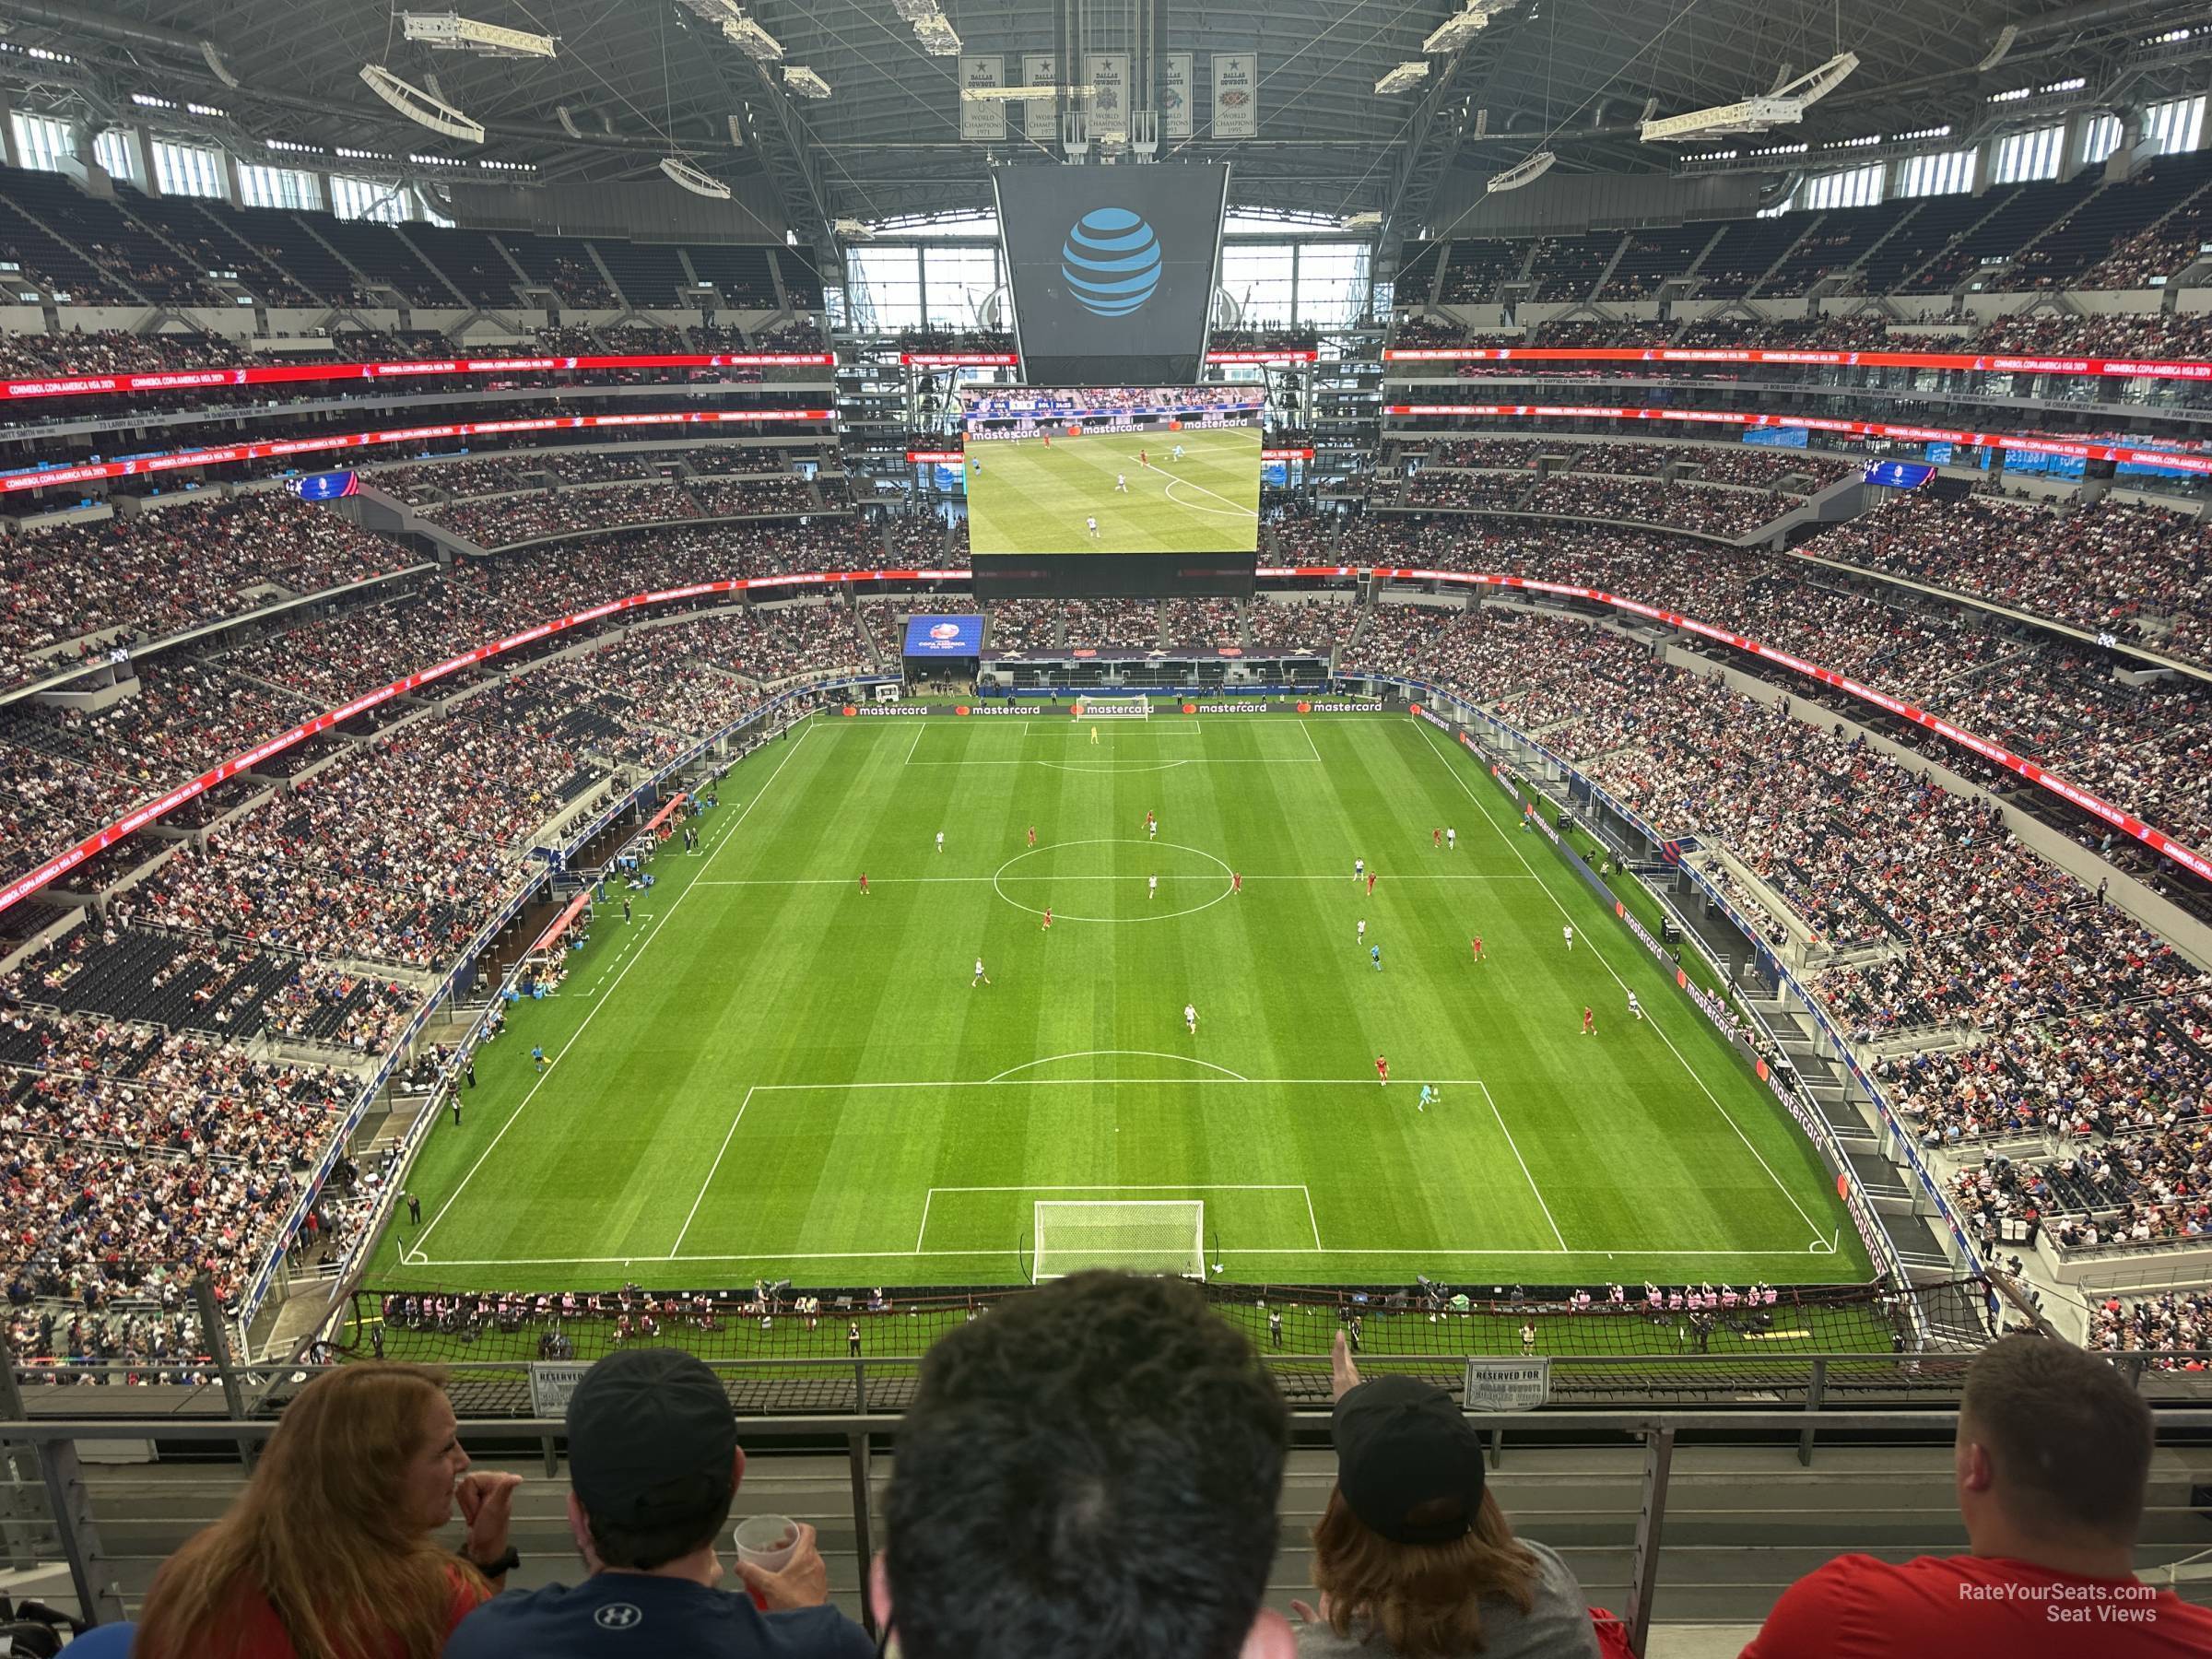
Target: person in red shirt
x=864, y=882
x=1236, y=882
x=332, y=1546
x=1371, y=884
x=2050, y=1467
x=1383, y=1068
x=1589, y=1021
x=1048, y=917
x=1436, y=840
x=1474, y=945
x=1032, y=835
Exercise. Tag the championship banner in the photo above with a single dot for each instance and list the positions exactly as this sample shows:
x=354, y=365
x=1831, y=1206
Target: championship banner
x=982, y=121
x=1040, y=69
x=1108, y=73
x=1236, y=95
x=1175, y=95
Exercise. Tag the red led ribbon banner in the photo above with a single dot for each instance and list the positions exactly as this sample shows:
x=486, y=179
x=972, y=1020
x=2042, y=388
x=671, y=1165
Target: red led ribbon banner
x=1975, y=362
x=276, y=374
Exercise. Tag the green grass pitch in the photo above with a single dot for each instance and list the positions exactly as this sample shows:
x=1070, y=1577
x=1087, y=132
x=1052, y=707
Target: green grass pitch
x=766, y=1073
x=1029, y=497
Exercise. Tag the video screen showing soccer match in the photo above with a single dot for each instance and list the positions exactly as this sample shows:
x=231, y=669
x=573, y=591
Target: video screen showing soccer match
x=1056, y=470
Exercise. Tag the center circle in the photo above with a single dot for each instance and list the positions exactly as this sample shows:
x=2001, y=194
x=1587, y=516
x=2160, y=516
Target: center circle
x=1090, y=872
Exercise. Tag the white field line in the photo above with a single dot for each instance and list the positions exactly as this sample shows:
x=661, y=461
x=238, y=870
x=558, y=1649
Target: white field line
x=1515, y=1145
x=515, y=1116
x=712, y=1169
x=1604, y=962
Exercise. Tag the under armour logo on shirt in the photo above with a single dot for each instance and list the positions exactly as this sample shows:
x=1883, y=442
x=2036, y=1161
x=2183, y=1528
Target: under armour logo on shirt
x=618, y=1616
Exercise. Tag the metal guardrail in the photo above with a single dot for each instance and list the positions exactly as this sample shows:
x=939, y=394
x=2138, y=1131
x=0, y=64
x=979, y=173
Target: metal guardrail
x=53, y=1443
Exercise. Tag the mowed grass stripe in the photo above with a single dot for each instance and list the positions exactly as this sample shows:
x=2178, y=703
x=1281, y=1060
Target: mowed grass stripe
x=800, y=980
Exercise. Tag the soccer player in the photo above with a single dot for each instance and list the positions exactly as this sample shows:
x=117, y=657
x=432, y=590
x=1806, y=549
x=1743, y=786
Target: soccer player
x=1427, y=1095
x=1048, y=921
x=1436, y=841
x=1190, y=1017
x=1091, y=525
x=940, y=841
x=1033, y=829
x=1094, y=735
x=1567, y=933
x=1151, y=888
x=538, y=1058
x=979, y=974
x=1121, y=482
x=1451, y=841
x=1179, y=451
x=1383, y=1068
x=1151, y=828
x=1363, y=930
x=1635, y=1007
x=1358, y=868
x=1474, y=945
x=864, y=883
x=1236, y=882
x=1142, y=459
x=1371, y=884
x=1589, y=1021
x=1375, y=951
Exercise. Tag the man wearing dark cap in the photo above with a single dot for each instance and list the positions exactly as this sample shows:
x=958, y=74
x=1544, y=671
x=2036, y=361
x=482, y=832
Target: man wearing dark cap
x=1412, y=1554
x=654, y=1467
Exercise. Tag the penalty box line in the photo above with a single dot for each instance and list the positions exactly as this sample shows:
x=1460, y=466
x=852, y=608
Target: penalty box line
x=1298, y=1187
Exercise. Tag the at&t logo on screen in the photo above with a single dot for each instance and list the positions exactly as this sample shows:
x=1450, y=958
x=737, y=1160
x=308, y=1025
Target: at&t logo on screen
x=1111, y=261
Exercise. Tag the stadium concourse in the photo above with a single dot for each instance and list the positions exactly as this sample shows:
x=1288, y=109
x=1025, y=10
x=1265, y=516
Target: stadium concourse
x=1672, y=886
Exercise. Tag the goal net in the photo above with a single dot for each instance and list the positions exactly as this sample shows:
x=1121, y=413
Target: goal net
x=1117, y=708
x=1162, y=1235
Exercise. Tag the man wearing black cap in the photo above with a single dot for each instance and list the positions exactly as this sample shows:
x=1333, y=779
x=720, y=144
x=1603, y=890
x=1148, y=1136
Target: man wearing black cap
x=1411, y=1555
x=654, y=1466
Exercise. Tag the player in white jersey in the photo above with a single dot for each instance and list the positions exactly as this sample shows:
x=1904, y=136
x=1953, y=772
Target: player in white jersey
x=1451, y=841
x=1363, y=930
x=1567, y=933
x=1121, y=482
x=1190, y=1017
x=940, y=841
x=1151, y=888
x=1091, y=525
x=979, y=974
x=1635, y=1007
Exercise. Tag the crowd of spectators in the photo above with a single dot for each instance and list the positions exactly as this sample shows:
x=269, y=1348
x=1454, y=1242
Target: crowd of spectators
x=1605, y=499
x=2100, y=333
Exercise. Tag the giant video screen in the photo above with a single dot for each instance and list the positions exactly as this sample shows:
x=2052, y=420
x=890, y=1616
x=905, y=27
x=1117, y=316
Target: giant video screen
x=1112, y=469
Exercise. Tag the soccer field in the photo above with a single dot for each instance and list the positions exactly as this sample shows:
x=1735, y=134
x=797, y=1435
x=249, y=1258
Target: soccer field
x=1029, y=497
x=768, y=1074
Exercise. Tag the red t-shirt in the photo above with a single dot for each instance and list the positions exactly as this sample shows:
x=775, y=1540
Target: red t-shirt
x=1950, y=1606
x=262, y=1635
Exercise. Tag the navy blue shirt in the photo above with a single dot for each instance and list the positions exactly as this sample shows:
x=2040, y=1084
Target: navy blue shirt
x=632, y=1614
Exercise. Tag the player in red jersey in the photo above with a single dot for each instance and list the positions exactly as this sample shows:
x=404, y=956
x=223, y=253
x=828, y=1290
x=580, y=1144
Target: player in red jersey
x=1436, y=840
x=864, y=883
x=1032, y=835
x=1474, y=945
x=1048, y=917
x=1589, y=1021
x=1371, y=884
x=1382, y=1067
x=1142, y=459
x=1236, y=882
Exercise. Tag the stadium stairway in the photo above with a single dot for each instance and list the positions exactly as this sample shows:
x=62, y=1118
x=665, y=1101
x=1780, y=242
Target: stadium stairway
x=1742, y=1521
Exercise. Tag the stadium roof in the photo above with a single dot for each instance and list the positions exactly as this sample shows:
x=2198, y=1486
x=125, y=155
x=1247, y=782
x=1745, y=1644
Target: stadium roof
x=639, y=78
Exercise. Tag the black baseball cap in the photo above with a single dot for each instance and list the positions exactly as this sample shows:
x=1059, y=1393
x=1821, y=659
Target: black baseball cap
x=1403, y=1445
x=652, y=1437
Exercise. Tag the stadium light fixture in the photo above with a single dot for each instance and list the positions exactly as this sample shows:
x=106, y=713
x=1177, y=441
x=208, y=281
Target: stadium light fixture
x=419, y=107
x=752, y=39
x=1404, y=79
x=1525, y=171
x=1784, y=106
x=446, y=31
x=1462, y=26
x=681, y=172
x=804, y=82
x=216, y=67
x=931, y=27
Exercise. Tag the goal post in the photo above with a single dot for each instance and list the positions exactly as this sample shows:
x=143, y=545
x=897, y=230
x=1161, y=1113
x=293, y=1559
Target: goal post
x=1137, y=1235
x=1114, y=708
